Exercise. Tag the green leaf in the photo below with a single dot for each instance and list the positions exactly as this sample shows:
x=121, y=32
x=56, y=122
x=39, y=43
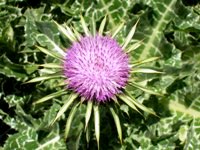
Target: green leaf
x=11, y=69
x=108, y=8
x=50, y=37
x=192, y=141
x=50, y=96
x=49, y=115
x=26, y=139
x=164, y=14
x=52, y=139
x=88, y=113
x=69, y=120
x=117, y=123
x=192, y=111
x=97, y=123
x=30, y=28
x=64, y=108
x=49, y=143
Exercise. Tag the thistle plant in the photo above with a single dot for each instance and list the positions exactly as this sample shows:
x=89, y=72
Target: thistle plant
x=96, y=70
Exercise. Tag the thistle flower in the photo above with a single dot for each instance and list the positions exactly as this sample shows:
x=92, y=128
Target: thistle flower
x=96, y=69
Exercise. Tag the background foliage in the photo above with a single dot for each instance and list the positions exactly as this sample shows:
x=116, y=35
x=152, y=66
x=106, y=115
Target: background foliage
x=169, y=29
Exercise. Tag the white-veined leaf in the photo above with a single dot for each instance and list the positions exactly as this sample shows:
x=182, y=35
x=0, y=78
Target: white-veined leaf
x=153, y=36
x=49, y=143
x=56, y=47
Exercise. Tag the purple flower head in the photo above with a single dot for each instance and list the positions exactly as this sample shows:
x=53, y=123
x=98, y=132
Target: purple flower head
x=96, y=67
